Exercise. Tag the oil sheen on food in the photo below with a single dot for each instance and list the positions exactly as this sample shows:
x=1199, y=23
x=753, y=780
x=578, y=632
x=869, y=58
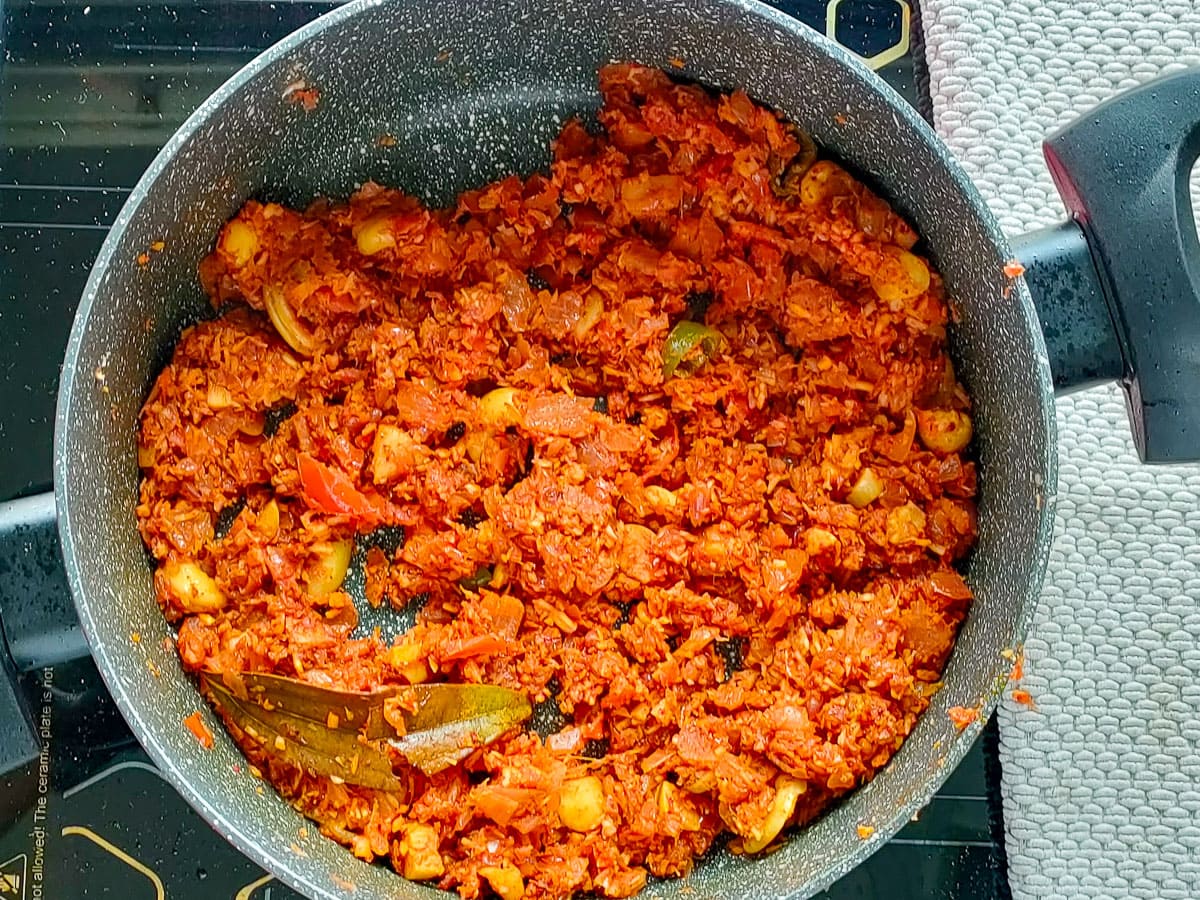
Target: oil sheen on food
x=673, y=441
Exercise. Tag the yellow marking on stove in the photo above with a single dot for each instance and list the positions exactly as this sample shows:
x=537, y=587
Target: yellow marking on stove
x=883, y=57
x=10, y=883
x=137, y=865
x=12, y=876
x=244, y=893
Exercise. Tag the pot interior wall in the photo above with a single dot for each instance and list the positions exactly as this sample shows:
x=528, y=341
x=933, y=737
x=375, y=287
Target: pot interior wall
x=470, y=92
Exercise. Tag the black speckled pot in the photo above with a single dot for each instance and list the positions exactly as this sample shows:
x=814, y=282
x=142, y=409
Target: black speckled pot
x=472, y=91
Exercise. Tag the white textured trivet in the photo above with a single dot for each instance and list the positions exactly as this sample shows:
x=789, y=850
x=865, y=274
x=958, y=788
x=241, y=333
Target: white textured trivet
x=1101, y=782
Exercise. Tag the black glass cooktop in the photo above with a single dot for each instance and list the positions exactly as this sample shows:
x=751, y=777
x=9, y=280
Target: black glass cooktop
x=88, y=93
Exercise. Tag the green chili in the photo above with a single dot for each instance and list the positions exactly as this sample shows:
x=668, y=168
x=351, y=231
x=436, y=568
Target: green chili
x=481, y=579
x=685, y=337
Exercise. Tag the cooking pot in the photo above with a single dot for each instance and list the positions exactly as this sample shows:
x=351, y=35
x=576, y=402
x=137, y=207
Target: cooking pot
x=469, y=92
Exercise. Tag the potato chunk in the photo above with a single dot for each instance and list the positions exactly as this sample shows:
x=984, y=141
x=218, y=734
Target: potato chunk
x=823, y=181
x=944, y=431
x=901, y=275
x=239, y=242
x=327, y=571
x=505, y=880
x=419, y=848
x=498, y=408
x=581, y=805
x=374, y=236
x=672, y=803
x=192, y=589
x=866, y=489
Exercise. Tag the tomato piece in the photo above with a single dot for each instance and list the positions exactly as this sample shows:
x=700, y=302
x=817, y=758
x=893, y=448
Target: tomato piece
x=331, y=490
x=480, y=645
x=500, y=802
x=711, y=170
x=1024, y=698
x=507, y=614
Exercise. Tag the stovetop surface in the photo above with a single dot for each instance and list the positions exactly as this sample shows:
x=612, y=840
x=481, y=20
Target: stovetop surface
x=88, y=93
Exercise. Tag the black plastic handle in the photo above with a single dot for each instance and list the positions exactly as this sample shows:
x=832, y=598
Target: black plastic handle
x=36, y=613
x=1068, y=295
x=38, y=626
x=1123, y=171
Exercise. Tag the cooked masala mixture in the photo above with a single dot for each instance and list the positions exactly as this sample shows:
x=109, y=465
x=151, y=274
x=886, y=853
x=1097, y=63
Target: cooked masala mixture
x=666, y=439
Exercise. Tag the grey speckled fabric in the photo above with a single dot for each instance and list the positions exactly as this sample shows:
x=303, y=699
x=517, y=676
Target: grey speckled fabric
x=1102, y=779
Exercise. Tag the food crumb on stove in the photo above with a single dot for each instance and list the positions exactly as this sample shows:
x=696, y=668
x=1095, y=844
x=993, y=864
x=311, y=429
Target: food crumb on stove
x=676, y=62
x=303, y=833
x=154, y=669
x=195, y=724
x=865, y=831
x=236, y=768
x=1018, y=669
x=256, y=771
x=385, y=140
x=143, y=259
x=1013, y=269
x=294, y=847
x=841, y=118
x=158, y=246
x=1009, y=653
x=301, y=93
x=963, y=716
x=343, y=883
x=1024, y=698
x=135, y=636
x=442, y=56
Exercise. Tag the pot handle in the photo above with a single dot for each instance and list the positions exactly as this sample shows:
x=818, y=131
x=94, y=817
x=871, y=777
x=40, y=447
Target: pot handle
x=38, y=618
x=1080, y=337
x=38, y=626
x=1131, y=257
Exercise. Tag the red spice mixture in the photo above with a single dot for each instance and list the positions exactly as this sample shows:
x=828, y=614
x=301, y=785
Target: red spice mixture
x=727, y=548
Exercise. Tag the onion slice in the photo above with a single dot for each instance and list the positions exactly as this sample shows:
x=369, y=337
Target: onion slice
x=296, y=335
